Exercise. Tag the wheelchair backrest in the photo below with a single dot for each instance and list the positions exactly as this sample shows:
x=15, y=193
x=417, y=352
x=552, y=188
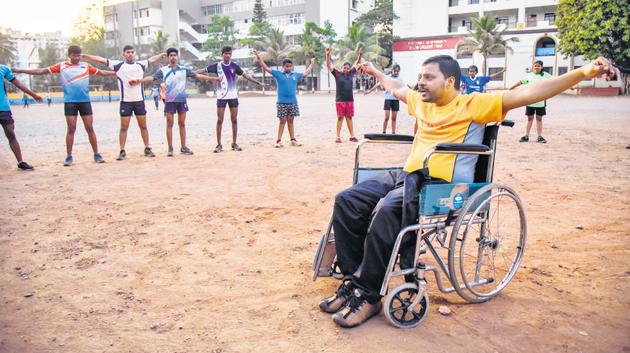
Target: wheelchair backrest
x=485, y=164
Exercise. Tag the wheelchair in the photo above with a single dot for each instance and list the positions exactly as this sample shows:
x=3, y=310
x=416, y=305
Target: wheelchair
x=480, y=227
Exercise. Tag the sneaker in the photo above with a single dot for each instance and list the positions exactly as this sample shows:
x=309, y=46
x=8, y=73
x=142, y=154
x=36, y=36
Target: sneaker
x=357, y=311
x=148, y=152
x=185, y=150
x=353, y=139
x=338, y=300
x=218, y=149
x=169, y=153
x=68, y=161
x=524, y=139
x=25, y=166
x=98, y=158
x=541, y=139
x=295, y=143
x=278, y=144
x=121, y=155
x=236, y=147
x=338, y=140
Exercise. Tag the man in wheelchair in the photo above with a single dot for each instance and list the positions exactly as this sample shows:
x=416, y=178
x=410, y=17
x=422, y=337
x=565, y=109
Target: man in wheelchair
x=368, y=216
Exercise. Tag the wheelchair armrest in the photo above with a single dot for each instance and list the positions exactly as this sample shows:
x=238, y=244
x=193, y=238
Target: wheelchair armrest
x=508, y=123
x=385, y=137
x=463, y=147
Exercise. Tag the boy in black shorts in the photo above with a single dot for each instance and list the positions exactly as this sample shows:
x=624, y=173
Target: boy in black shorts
x=392, y=104
x=75, y=76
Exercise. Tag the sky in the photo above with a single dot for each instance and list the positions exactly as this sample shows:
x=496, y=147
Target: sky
x=41, y=15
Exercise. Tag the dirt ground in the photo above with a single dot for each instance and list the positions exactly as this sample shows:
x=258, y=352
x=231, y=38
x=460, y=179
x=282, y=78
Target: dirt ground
x=212, y=253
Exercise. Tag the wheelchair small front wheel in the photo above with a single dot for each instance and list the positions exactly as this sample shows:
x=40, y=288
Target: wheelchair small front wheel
x=398, y=308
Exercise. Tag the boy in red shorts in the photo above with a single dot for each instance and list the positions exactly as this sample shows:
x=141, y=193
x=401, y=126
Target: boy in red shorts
x=344, y=99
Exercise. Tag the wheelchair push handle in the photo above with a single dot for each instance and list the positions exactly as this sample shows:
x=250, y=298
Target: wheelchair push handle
x=386, y=137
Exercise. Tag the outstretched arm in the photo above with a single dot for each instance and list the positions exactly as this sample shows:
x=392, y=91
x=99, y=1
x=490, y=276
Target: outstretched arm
x=516, y=85
x=262, y=63
x=32, y=71
x=397, y=88
x=497, y=73
x=309, y=69
x=329, y=64
x=142, y=80
x=356, y=63
x=26, y=90
x=156, y=58
x=374, y=88
x=105, y=73
x=201, y=71
x=206, y=78
x=94, y=58
x=546, y=89
x=252, y=80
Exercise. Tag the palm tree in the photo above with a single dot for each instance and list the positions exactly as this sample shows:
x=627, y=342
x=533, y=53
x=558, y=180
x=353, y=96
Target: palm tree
x=274, y=49
x=158, y=45
x=358, y=37
x=486, y=38
x=311, y=47
x=7, y=50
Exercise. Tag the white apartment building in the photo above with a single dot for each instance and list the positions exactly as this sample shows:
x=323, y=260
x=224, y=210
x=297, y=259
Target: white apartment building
x=27, y=45
x=434, y=27
x=136, y=22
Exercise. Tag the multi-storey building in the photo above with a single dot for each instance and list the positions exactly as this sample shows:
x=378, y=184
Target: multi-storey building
x=434, y=27
x=27, y=45
x=184, y=21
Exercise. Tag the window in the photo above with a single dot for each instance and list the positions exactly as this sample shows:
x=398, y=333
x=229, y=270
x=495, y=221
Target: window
x=143, y=13
x=212, y=10
x=467, y=24
x=295, y=18
x=550, y=18
x=494, y=70
x=355, y=3
x=293, y=39
x=503, y=20
x=472, y=2
x=548, y=69
x=532, y=21
x=562, y=70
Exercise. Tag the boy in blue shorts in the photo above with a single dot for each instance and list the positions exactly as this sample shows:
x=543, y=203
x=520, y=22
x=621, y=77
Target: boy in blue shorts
x=287, y=104
x=6, y=118
x=174, y=76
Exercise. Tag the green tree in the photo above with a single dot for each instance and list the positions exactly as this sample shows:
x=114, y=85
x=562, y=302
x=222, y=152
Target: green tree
x=311, y=46
x=259, y=12
x=597, y=27
x=257, y=31
x=486, y=38
x=380, y=20
x=220, y=33
x=357, y=37
x=273, y=48
x=49, y=55
x=89, y=23
x=7, y=50
x=159, y=44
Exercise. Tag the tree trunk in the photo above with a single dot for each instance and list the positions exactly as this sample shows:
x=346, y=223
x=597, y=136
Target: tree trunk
x=263, y=87
x=625, y=83
x=483, y=68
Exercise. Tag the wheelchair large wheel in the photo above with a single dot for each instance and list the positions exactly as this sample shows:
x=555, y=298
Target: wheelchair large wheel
x=397, y=306
x=487, y=243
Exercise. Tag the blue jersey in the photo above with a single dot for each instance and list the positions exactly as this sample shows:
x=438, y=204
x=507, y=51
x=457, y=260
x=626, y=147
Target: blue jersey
x=388, y=95
x=5, y=73
x=175, y=81
x=477, y=84
x=75, y=80
x=287, y=86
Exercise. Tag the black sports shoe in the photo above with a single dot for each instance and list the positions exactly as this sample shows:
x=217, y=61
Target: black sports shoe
x=121, y=155
x=524, y=139
x=25, y=166
x=148, y=152
x=541, y=139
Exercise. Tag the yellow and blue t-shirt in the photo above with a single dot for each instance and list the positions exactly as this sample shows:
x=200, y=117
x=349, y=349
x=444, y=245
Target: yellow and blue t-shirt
x=462, y=120
x=5, y=73
x=75, y=80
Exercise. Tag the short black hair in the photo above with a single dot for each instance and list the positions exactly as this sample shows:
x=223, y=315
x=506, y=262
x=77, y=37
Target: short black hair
x=172, y=50
x=473, y=67
x=347, y=64
x=396, y=67
x=74, y=49
x=226, y=49
x=448, y=67
x=539, y=62
x=287, y=61
x=127, y=47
